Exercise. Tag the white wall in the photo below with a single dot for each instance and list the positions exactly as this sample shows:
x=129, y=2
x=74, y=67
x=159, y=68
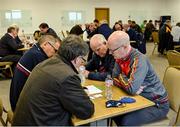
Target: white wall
x=173, y=8
x=50, y=10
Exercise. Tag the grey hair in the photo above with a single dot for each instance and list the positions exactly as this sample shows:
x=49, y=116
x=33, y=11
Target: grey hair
x=100, y=38
x=72, y=47
x=47, y=38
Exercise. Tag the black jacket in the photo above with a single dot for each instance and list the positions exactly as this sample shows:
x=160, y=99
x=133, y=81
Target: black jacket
x=100, y=67
x=8, y=45
x=51, y=95
x=165, y=39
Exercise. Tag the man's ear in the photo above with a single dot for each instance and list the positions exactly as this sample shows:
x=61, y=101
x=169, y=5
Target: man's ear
x=104, y=42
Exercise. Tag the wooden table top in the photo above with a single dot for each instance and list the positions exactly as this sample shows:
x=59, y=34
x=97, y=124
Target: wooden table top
x=101, y=112
x=23, y=49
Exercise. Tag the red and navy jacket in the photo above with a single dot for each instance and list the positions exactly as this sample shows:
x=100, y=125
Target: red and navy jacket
x=22, y=71
x=100, y=67
x=136, y=76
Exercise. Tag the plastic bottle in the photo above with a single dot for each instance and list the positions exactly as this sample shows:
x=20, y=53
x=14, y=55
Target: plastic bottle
x=81, y=75
x=108, y=87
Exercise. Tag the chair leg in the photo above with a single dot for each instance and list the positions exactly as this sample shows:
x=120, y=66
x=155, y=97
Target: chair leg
x=11, y=71
x=2, y=121
x=154, y=49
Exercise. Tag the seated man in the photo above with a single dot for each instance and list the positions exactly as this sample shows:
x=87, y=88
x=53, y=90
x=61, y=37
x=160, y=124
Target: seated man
x=134, y=73
x=44, y=28
x=46, y=47
x=102, y=62
x=176, y=34
x=53, y=91
x=9, y=47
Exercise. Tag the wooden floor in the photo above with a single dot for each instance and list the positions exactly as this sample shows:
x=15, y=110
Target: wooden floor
x=159, y=63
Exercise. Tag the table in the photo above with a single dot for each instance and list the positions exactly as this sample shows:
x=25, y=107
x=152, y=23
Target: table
x=101, y=112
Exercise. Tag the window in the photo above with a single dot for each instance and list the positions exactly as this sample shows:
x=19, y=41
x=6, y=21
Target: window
x=71, y=18
x=22, y=18
x=75, y=16
x=13, y=14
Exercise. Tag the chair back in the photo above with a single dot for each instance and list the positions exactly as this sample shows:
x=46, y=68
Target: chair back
x=1, y=108
x=155, y=37
x=173, y=57
x=1, y=113
x=178, y=118
x=171, y=82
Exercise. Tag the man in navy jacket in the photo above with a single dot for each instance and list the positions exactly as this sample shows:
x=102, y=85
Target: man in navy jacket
x=102, y=62
x=46, y=47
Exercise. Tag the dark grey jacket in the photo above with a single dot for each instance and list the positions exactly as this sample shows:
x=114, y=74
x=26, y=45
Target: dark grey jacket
x=51, y=95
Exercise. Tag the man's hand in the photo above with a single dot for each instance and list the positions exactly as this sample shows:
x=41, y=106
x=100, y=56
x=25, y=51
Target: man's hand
x=86, y=73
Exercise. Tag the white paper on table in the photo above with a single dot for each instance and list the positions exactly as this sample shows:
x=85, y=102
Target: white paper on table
x=93, y=90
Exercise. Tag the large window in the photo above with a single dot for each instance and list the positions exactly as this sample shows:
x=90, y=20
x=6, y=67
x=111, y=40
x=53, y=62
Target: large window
x=14, y=14
x=19, y=17
x=72, y=17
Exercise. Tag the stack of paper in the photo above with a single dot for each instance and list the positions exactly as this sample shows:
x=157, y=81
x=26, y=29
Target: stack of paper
x=91, y=90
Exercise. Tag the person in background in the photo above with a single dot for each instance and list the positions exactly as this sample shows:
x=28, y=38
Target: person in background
x=120, y=22
x=102, y=62
x=131, y=32
x=136, y=27
x=44, y=28
x=53, y=91
x=156, y=25
x=18, y=41
x=134, y=74
x=117, y=26
x=77, y=30
x=9, y=47
x=130, y=23
x=88, y=33
x=46, y=47
x=96, y=23
x=165, y=38
x=104, y=29
x=36, y=35
x=148, y=30
x=176, y=34
x=143, y=25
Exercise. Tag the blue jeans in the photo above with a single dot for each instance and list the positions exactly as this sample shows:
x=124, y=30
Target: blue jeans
x=143, y=116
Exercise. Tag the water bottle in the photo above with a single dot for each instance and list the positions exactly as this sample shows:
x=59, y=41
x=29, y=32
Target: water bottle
x=108, y=87
x=81, y=75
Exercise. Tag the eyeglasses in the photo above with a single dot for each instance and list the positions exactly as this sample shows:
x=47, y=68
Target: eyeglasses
x=84, y=60
x=50, y=43
x=112, y=51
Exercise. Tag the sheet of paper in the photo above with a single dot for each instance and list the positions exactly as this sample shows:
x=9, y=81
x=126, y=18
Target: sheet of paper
x=93, y=90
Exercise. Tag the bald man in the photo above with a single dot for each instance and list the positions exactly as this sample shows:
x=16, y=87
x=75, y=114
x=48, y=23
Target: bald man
x=134, y=74
x=102, y=62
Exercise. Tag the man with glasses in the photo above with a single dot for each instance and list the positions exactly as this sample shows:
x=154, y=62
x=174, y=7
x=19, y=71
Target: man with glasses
x=53, y=91
x=133, y=73
x=102, y=62
x=45, y=48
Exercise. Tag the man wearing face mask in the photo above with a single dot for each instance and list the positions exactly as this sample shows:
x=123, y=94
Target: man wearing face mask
x=53, y=91
x=102, y=62
x=45, y=48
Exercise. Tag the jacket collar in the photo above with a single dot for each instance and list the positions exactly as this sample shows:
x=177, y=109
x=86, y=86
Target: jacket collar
x=37, y=45
x=67, y=62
